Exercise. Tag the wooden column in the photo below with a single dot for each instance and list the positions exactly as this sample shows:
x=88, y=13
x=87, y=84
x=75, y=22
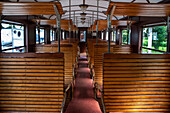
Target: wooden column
x=47, y=35
x=0, y=35
x=30, y=36
x=168, y=43
x=104, y=35
x=135, y=38
x=168, y=37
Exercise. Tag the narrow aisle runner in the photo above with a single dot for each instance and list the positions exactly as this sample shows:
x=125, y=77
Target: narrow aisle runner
x=83, y=100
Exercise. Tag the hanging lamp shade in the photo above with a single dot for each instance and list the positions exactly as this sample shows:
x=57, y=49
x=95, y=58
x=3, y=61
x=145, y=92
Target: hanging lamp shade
x=83, y=6
x=83, y=15
x=83, y=18
x=82, y=22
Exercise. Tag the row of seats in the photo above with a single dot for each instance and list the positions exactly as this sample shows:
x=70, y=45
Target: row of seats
x=132, y=82
x=70, y=54
x=31, y=82
x=36, y=82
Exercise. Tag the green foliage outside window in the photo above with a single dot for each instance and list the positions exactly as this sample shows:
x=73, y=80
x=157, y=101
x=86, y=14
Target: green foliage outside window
x=124, y=36
x=160, y=43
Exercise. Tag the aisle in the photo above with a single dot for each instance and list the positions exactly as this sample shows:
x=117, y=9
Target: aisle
x=83, y=101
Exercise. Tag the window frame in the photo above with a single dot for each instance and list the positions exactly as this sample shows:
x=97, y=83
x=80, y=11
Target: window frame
x=18, y=24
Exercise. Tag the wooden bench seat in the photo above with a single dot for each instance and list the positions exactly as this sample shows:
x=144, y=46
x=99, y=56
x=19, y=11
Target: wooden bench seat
x=68, y=57
x=74, y=44
x=136, y=83
x=90, y=47
x=99, y=50
x=31, y=82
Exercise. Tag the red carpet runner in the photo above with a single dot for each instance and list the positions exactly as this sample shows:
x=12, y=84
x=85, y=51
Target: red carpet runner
x=83, y=100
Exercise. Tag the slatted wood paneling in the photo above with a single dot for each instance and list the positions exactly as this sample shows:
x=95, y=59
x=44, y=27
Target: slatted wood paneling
x=136, y=83
x=75, y=46
x=31, y=82
x=90, y=46
x=99, y=50
x=68, y=57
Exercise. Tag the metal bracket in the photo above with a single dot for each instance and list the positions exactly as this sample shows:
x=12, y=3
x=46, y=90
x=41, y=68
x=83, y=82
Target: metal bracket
x=112, y=11
x=58, y=20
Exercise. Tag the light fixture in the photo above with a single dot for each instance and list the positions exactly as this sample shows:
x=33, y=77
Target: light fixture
x=83, y=6
x=83, y=15
x=82, y=22
x=83, y=18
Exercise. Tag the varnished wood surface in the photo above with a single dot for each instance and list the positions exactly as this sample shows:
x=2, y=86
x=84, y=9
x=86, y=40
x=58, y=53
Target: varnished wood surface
x=67, y=49
x=114, y=22
x=52, y=22
x=29, y=8
x=31, y=82
x=136, y=82
x=140, y=9
x=99, y=50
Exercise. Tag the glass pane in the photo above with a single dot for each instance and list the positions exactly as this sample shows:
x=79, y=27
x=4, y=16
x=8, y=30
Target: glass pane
x=12, y=36
x=37, y=39
x=63, y=35
x=155, y=38
x=124, y=37
x=107, y=37
x=41, y=35
x=6, y=36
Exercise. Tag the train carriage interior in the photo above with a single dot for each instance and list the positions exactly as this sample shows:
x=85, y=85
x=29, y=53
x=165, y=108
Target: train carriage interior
x=85, y=56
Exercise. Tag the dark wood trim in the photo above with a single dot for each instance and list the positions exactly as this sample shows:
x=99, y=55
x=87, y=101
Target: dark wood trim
x=153, y=49
x=32, y=55
x=131, y=56
x=13, y=48
x=55, y=45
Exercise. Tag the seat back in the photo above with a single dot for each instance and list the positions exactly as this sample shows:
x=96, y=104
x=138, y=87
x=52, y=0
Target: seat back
x=99, y=50
x=31, y=82
x=68, y=57
x=136, y=83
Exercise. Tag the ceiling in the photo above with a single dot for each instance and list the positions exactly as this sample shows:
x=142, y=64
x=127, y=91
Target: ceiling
x=91, y=10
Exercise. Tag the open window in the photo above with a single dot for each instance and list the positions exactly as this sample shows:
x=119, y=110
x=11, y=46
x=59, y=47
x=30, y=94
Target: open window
x=51, y=35
x=41, y=39
x=154, y=39
x=12, y=37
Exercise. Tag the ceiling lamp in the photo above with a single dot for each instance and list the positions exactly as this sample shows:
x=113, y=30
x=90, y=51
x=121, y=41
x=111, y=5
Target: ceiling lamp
x=82, y=22
x=83, y=6
x=83, y=15
x=83, y=18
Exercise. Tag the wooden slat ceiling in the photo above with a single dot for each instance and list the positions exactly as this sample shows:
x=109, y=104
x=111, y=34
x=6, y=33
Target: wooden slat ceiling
x=64, y=23
x=140, y=9
x=29, y=8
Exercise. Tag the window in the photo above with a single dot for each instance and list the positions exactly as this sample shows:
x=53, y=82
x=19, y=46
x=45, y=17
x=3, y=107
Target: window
x=124, y=37
x=63, y=35
x=41, y=40
x=107, y=37
x=51, y=35
x=112, y=33
x=102, y=35
x=12, y=37
x=154, y=38
x=82, y=36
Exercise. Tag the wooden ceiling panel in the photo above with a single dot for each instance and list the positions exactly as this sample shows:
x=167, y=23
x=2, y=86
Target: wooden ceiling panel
x=64, y=23
x=140, y=9
x=29, y=8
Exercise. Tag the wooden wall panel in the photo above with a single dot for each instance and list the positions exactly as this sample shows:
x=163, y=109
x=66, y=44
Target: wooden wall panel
x=31, y=82
x=136, y=83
